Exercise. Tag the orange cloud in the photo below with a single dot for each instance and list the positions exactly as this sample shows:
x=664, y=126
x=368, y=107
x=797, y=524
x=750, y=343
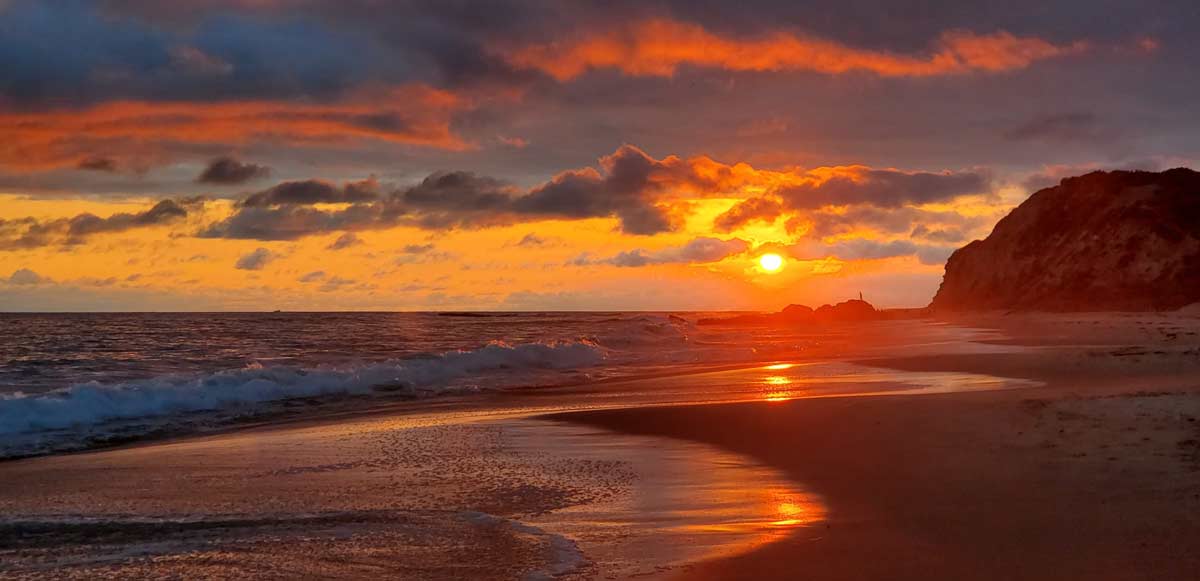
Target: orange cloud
x=137, y=130
x=660, y=47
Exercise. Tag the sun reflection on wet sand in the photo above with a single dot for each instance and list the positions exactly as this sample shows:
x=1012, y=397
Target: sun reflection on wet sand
x=774, y=383
x=795, y=515
x=689, y=502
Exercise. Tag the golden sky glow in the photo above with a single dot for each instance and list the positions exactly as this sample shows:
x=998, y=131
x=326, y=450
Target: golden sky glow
x=333, y=155
x=519, y=266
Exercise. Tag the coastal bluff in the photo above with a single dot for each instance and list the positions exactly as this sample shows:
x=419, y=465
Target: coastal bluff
x=1104, y=241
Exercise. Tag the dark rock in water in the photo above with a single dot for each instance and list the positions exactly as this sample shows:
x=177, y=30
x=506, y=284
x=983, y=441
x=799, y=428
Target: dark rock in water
x=849, y=311
x=1120, y=241
x=799, y=313
x=852, y=310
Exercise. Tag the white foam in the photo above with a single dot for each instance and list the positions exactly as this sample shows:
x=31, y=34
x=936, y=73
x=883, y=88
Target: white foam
x=565, y=555
x=87, y=405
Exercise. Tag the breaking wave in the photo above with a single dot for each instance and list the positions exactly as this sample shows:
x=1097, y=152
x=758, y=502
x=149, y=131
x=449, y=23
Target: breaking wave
x=86, y=407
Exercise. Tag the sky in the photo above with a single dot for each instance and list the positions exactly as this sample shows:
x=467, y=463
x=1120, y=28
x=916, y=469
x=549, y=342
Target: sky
x=554, y=155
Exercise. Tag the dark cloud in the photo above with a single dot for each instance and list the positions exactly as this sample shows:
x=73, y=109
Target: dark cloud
x=627, y=187
x=886, y=188
x=698, y=250
x=24, y=276
x=456, y=199
x=344, y=241
x=630, y=188
x=747, y=211
x=104, y=164
x=313, y=276
x=229, y=171
x=69, y=52
x=583, y=259
x=418, y=248
x=707, y=250
x=631, y=258
x=255, y=260
x=943, y=235
x=935, y=254
x=1059, y=127
x=443, y=200
x=422, y=253
x=531, y=240
x=33, y=233
x=885, y=220
x=292, y=222
x=646, y=195
x=335, y=283
x=863, y=249
x=868, y=249
x=310, y=192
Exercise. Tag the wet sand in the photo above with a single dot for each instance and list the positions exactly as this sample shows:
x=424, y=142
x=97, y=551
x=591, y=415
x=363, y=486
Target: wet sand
x=483, y=495
x=1094, y=475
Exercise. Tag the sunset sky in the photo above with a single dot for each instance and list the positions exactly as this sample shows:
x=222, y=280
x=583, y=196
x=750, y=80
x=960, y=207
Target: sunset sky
x=516, y=155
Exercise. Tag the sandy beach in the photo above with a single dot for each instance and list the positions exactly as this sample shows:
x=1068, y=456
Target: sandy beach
x=1095, y=475
x=861, y=461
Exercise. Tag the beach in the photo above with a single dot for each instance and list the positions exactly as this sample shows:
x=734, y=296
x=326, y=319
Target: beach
x=983, y=449
x=1094, y=475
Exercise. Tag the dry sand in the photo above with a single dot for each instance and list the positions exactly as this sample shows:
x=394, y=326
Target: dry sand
x=1095, y=475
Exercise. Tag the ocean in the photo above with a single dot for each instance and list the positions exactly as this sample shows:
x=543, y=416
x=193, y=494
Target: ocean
x=70, y=381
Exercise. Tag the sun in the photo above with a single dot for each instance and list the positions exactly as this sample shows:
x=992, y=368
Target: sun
x=770, y=262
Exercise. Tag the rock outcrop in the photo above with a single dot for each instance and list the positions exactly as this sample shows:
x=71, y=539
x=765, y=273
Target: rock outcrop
x=844, y=312
x=1105, y=241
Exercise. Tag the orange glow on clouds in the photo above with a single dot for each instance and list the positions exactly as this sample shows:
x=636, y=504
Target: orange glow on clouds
x=660, y=47
x=414, y=115
x=399, y=266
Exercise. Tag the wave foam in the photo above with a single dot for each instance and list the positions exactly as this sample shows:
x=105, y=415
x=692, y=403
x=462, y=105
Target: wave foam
x=89, y=405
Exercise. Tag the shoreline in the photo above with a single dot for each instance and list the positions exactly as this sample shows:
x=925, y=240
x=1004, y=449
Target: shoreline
x=292, y=411
x=285, y=412
x=1093, y=475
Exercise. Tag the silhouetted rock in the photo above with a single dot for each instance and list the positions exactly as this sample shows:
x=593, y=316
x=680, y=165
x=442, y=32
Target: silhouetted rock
x=849, y=311
x=1121, y=240
x=796, y=314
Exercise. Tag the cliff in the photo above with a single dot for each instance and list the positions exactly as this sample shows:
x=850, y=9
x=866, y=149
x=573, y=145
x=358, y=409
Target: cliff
x=1105, y=241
